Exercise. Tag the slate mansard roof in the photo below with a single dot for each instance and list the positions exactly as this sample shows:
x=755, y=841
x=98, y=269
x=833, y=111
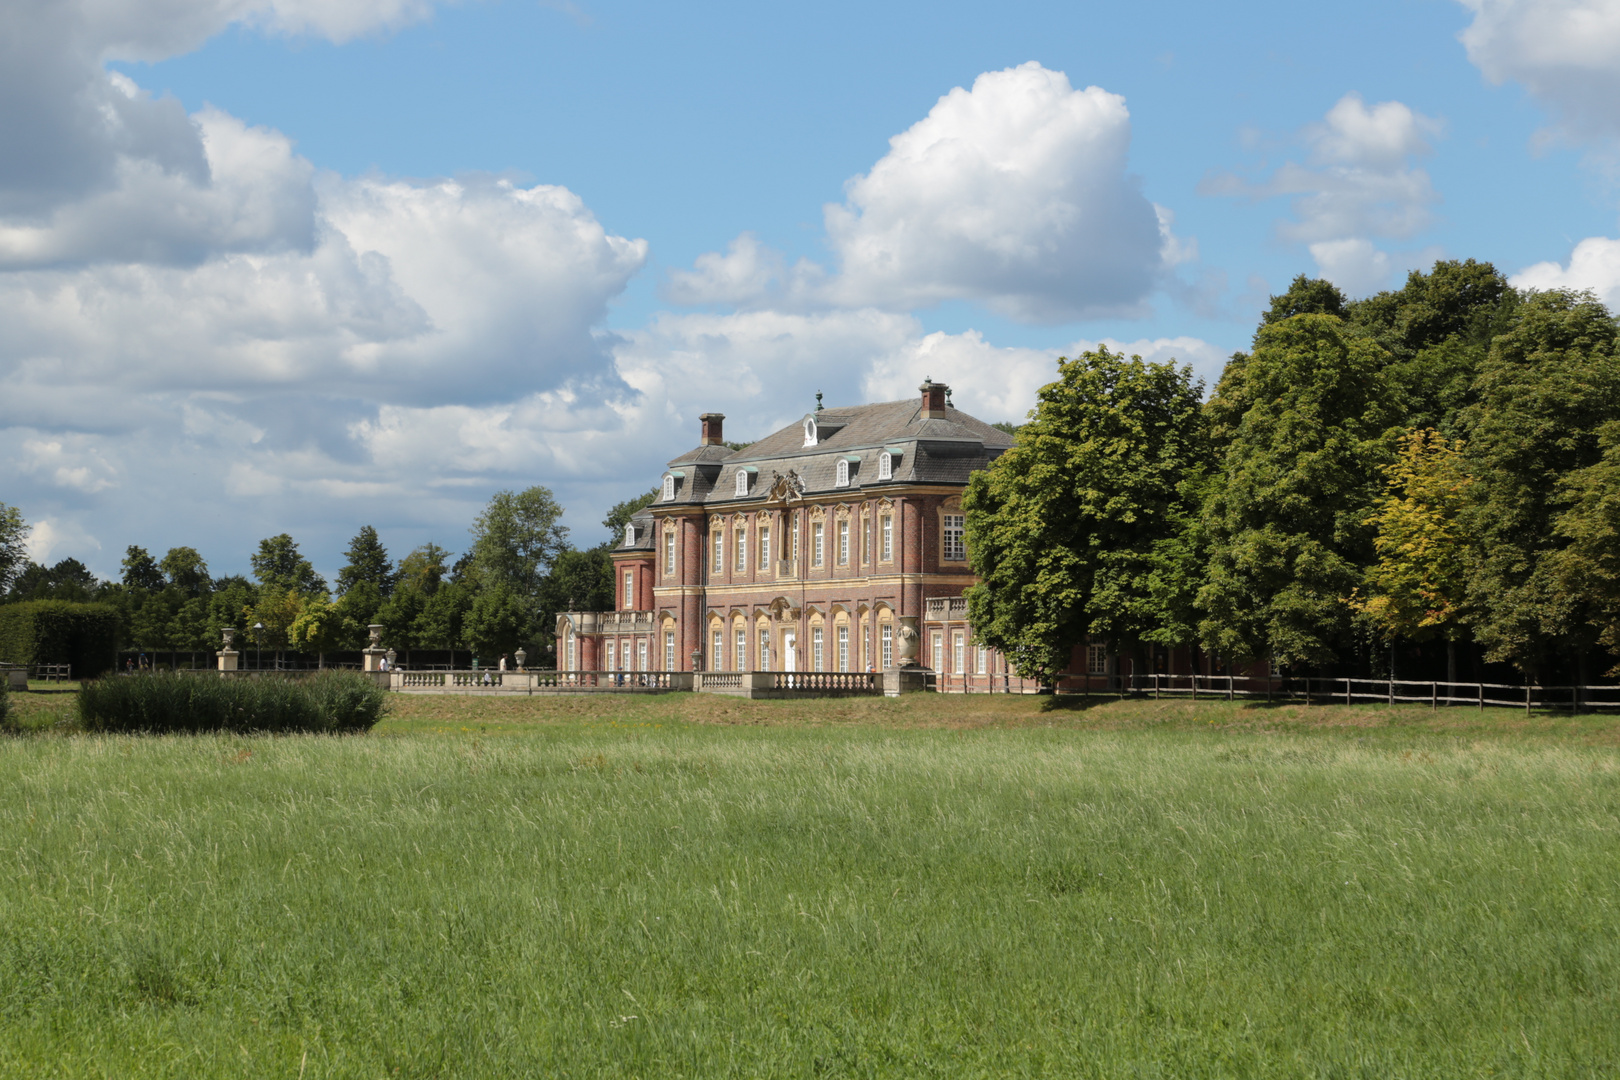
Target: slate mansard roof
x=925, y=450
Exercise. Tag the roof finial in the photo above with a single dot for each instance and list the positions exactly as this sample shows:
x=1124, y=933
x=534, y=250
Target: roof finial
x=947, y=395
x=818, y=401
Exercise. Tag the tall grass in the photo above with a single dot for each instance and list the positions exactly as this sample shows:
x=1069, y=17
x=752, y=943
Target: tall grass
x=331, y=701
x=643, y=900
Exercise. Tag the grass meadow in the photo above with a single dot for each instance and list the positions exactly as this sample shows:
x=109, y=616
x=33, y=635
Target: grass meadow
x=689, y=887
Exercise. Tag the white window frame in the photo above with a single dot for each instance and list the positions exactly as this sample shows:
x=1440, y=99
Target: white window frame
x=669, y=488
x=818, y=649
x=641, y=655
x=954, y=547
x=764, y=657
x=629, y=591
x=795, y=525
x=885, y=466
x=843, y=648
x=886, y=549
x=886, y=636
x=717, y=642
x=842, y=479
x=958, y=651
x=669, y=552
x=611, y=652
x=718, y=563
x=742, y=482
x=764, y=547
x=809, y=431
x=983, y=661
x=739, y=652
x=843, y=541
x=818, y=543
x=741, y=541
x=629, y=535
x=938, y=651
x=669, y=650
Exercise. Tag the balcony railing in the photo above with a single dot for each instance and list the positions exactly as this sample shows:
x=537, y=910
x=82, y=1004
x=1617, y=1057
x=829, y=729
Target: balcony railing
x=828, y=682
x=945, y=609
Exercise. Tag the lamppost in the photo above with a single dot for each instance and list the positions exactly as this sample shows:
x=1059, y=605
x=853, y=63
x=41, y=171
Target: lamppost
x=258, y=646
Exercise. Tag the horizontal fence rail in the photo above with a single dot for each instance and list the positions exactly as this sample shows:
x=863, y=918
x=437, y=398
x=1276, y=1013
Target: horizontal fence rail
x=828, y=682
x=1347, y=691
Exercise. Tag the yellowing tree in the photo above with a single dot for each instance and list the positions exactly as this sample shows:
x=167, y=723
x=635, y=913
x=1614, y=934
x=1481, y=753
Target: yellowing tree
x=1417, y=589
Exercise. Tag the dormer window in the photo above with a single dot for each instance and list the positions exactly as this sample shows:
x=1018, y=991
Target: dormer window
x=843, y=474
x=742, y=483
x=885, y=466
x=669, y=488
x=629, y=536
x=809, y=431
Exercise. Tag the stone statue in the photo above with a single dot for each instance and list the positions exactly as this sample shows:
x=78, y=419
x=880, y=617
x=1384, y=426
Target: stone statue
x=907, y=641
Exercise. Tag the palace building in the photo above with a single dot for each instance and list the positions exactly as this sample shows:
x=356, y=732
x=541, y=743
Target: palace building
x=802, y=552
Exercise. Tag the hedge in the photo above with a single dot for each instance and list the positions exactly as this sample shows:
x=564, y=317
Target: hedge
x=58, y=632
x=331, y=701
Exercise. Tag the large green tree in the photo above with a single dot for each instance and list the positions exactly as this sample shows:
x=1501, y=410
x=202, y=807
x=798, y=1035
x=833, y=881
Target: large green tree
x=141, y=571
x=367, y=561
x=1067, y=530
x=278, y=564
x=187, y=571
x=13, y=545
x=1545, y=393
x=1286, y=521
x=515, y=542
x=618, y=517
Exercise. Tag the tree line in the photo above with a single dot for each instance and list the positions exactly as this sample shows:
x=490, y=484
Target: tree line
x=502, y=593
x=1424, y=474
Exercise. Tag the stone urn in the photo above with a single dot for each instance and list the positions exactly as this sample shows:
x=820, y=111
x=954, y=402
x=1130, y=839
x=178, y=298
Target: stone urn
x=230, y=637
x=907, y=641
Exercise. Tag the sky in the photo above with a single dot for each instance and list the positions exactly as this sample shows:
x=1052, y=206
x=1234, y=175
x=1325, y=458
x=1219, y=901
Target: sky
x=307, y=265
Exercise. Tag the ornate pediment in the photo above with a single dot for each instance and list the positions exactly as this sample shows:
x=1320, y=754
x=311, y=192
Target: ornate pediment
x=785, y=489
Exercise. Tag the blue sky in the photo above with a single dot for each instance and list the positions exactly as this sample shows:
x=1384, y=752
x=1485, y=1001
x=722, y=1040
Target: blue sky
x=306, y=265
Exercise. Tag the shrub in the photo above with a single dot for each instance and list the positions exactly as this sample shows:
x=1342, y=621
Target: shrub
x=5, y=702
x=59, y=632
x=332, y=701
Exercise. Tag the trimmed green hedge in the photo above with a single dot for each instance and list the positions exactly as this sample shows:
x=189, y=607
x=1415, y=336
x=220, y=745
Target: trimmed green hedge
x=331, y=701
x=59, y=632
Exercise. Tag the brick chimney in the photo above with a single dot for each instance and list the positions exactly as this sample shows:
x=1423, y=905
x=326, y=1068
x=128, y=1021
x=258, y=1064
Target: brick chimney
x=712, y=422
x=933, y=399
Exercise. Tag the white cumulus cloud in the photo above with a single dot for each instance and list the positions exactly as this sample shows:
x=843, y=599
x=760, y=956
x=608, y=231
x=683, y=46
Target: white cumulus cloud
x=1593, y=265
x=1566, y=53
x=1013, y=193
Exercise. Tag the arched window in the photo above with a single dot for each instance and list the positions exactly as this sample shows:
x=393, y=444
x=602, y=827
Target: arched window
x=809, y=431
x=742, y=481
x=843, y=474
x=885, y=466
x=669, y=488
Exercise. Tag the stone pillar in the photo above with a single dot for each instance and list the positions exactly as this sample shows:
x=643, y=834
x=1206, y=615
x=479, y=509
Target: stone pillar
x=228, y=656
x=374, y=652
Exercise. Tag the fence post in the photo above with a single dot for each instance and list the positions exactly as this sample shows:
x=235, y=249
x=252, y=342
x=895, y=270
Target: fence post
x=1230, y=694
x=1347, y=688
x=1195, y=684
x=1155, y=686
x=1434, y=696
x=1392, y=689
x=1527, y=699
x=1481, y=688
x=1307, y=689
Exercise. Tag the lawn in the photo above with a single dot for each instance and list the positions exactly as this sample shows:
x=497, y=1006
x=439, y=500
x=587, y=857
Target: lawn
x=690, y=886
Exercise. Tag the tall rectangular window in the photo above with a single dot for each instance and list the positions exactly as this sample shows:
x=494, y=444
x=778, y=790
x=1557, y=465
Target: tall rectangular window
x=717, y=659
x=764, y=657
x=955, y=548
x=843, y=648
x=739, y=655
x=843, y=542
x=629, y=590
x=958, y=652
x=817, y=542
x=886, y=636
x=982, y=655
x=764, y=547
x=818, y=650
x=1097, y=659
x=669, y=552
x=887, y=544
x=669, y=650
x=939, y=652
x=866, y=540
x=719, y=562
x=571, y=652
x=742, y=550
x=794, y=525
x=641, y=654
x=608, y=666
